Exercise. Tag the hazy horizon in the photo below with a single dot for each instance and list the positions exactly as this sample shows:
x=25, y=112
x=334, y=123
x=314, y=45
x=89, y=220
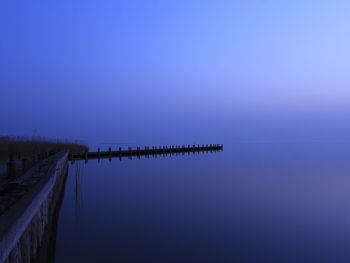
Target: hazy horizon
x=175, y=71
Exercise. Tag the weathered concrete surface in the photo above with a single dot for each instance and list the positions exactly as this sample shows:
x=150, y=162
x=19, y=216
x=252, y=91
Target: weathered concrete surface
x=26, y=226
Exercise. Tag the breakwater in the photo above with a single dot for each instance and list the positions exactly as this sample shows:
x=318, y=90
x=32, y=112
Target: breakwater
x=146, y=151
x=28, y=212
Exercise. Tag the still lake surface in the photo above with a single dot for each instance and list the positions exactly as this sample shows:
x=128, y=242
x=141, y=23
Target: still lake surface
x=253, y=202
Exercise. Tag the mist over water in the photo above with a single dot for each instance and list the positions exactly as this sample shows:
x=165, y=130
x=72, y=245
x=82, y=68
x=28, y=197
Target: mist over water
x=253, y=202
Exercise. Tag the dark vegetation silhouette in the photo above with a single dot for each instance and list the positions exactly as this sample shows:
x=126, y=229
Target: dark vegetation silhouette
x=20, y=146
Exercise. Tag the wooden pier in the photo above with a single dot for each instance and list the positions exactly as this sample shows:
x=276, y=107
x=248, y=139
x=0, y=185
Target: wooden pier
x=146, y=151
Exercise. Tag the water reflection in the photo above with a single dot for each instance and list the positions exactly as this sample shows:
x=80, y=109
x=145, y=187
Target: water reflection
x=134, y=155
x=78, y=194
x=251, y=203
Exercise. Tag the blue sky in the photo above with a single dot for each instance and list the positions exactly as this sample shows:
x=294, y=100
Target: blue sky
x=67, y=65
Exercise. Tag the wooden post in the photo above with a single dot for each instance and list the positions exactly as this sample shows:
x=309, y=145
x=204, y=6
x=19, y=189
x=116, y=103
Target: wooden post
x=24, y=164
x=11, y=167
x=110, y=152
x=130, y=153
x=33, y=159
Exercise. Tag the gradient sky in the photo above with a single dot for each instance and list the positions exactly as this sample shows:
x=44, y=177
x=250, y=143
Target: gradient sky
x=149, y=71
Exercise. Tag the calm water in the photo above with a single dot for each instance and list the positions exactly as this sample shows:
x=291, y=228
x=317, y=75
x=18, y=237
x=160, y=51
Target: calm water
x=253, y=202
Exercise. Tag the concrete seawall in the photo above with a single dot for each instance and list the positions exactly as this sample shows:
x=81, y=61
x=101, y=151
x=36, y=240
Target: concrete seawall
x=28, y=226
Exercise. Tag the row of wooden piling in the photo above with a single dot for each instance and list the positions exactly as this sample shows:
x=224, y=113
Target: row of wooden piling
x=145, y=151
